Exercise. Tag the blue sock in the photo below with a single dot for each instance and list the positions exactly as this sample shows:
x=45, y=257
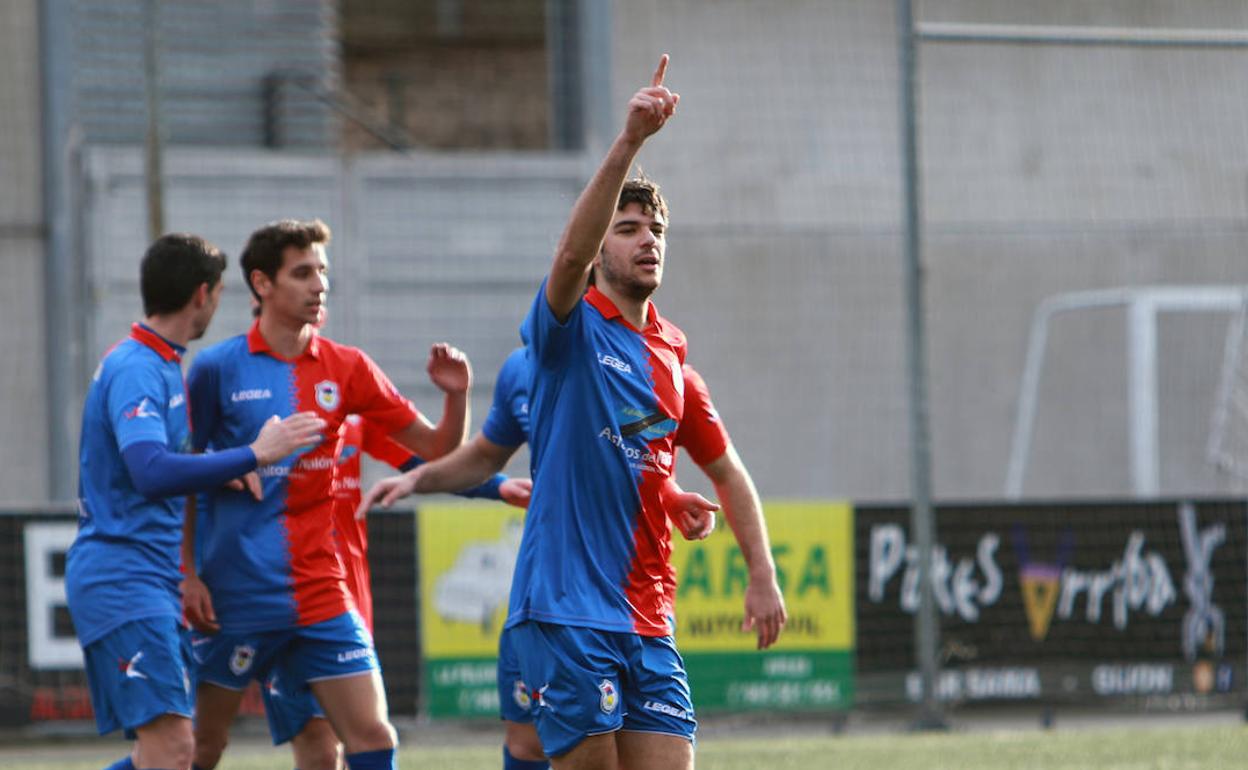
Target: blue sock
x=511, y=763
x=381, y=759
x=122, y=764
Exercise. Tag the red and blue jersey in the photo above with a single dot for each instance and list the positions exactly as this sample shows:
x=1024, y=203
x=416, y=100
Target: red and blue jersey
x=125, y=562
x=605, y=401
x=273, y=564
x=701, y=432
x=355, y=437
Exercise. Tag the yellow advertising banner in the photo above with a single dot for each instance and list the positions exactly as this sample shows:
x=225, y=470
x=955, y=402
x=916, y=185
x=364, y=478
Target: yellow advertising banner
x=468, y=551
x=812, y=544
x=467, y=554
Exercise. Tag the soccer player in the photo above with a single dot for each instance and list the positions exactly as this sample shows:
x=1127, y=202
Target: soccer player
x=292, y=711
x=277, y=584
x=701, y=433
x=122, y=572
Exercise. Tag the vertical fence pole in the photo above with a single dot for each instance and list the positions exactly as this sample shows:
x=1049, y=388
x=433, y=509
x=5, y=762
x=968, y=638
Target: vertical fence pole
x=926, y=632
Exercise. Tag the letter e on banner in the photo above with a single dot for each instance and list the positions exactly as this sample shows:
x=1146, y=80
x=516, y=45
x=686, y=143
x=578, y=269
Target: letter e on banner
x=45, y=591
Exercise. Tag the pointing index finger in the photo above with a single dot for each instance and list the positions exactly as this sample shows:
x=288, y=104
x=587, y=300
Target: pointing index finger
x=659, y=73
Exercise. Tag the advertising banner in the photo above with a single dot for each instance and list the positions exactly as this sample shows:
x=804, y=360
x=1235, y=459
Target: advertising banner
x=468, y=552
x=1060, y=601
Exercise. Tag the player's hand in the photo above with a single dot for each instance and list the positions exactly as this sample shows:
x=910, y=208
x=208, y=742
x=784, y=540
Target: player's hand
x=692, y=514
x=449, y=368
x=280, y=437
x=516, y=492
x=249, y=482
x=386, y=492
x=764, y=611
x=197, y=605
x=651, y=107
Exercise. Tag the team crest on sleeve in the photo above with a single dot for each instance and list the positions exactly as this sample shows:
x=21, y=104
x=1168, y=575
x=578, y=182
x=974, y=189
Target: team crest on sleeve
x=242, y=658
x=327, y=395
x=609, y=698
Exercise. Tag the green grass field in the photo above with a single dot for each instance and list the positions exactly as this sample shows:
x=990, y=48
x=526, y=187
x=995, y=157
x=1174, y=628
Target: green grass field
x=1169, y=748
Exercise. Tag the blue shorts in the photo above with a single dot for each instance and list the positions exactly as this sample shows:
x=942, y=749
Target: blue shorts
x=587, y=682
x=139, y=671
x=514, y=701
x=288, y=703
x=284, y=662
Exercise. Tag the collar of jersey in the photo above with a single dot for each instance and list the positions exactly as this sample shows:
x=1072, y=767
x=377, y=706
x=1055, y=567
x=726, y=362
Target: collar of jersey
x=163, y=347
x=256, y=343
x=610, y=312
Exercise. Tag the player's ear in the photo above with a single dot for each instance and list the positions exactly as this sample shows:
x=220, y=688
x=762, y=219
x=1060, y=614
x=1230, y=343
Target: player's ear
x=203, y=293
x=261, y=282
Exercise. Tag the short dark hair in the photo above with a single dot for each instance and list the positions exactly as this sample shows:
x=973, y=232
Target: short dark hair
x=265, y=247
x=644, y=192
x=174, y=266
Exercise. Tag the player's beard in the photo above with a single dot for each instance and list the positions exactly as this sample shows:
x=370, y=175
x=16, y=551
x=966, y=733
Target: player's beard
x=624, y=284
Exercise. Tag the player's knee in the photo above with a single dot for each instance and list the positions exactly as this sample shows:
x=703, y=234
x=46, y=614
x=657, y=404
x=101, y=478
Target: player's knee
x=319, y=757
x=371, y=737
x=524, y=745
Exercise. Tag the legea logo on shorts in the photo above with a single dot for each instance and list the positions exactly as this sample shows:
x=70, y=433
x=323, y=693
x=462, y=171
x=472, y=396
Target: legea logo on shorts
x=610, y=698
x=664, y=708
x=356, y=654
x=242, y=658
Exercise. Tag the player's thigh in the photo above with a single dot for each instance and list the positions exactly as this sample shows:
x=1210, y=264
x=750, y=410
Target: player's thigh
x=316, y=746
x=573, y=675
x=337, y=660
x=139, y=672
x=653, y=751
x=594, y=752
x=166, y=741
x=656, y=692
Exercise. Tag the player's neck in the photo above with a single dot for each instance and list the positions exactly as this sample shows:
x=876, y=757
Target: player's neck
x=633, y=310
x=177, y=328
x=287, y=338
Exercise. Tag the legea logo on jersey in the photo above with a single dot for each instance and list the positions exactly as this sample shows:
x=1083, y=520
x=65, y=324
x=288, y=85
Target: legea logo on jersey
x=608, y=360
x=177, y=401
x=242, y=658
x=327, y=395
x=609, y=697
x=251, y=394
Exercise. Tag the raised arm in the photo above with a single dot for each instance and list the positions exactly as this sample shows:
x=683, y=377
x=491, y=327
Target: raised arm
x=764, y=605
x=648, y=111
x=449, y=369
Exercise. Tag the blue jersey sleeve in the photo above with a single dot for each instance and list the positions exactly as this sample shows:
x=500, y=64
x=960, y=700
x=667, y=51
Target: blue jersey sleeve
x=545, y=335
x=158, y=472
x=138, y=405
x=201, y=386
x=502, y=425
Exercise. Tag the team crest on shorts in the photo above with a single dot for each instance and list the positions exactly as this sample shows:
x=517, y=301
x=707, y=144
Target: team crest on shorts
x=327, y=395
x=244, y=655
x=610, y=698
x=520, y=693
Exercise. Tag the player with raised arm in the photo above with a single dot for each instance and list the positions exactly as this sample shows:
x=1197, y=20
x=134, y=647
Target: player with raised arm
x=277, y=584
x=590, y=610
x=703, y=436
x=122, y=571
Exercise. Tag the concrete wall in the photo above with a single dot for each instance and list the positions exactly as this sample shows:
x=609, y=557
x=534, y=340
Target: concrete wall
x=1046, y=169
x=23, y=450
